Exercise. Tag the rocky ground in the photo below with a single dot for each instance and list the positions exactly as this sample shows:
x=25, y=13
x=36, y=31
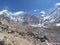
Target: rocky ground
x=9, y=36
x=30, y=36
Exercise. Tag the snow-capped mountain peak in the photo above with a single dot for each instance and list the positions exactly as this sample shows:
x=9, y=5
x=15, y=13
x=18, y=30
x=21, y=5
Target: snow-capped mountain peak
x=53, y=17
x=1, y=12
x=5, y=12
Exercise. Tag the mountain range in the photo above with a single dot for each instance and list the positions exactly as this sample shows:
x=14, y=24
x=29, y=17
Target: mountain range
x=28, y=25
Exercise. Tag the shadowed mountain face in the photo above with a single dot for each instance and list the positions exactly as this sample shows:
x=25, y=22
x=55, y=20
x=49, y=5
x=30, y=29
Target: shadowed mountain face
x=31, y=19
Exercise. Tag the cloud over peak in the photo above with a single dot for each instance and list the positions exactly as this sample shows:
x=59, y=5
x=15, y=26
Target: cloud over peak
x=43, y=12
x=19, y=12
x=57, y=4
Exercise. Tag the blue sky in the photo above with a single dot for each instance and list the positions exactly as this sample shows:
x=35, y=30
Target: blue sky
x=29, y=6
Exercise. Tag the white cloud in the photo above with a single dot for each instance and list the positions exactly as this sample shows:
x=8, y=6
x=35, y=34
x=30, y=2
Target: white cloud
x=20, y=12
x=57, y=4
x=43, y=12
x=36, y=10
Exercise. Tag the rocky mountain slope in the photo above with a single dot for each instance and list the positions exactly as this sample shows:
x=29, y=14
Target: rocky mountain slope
x=9, y=36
